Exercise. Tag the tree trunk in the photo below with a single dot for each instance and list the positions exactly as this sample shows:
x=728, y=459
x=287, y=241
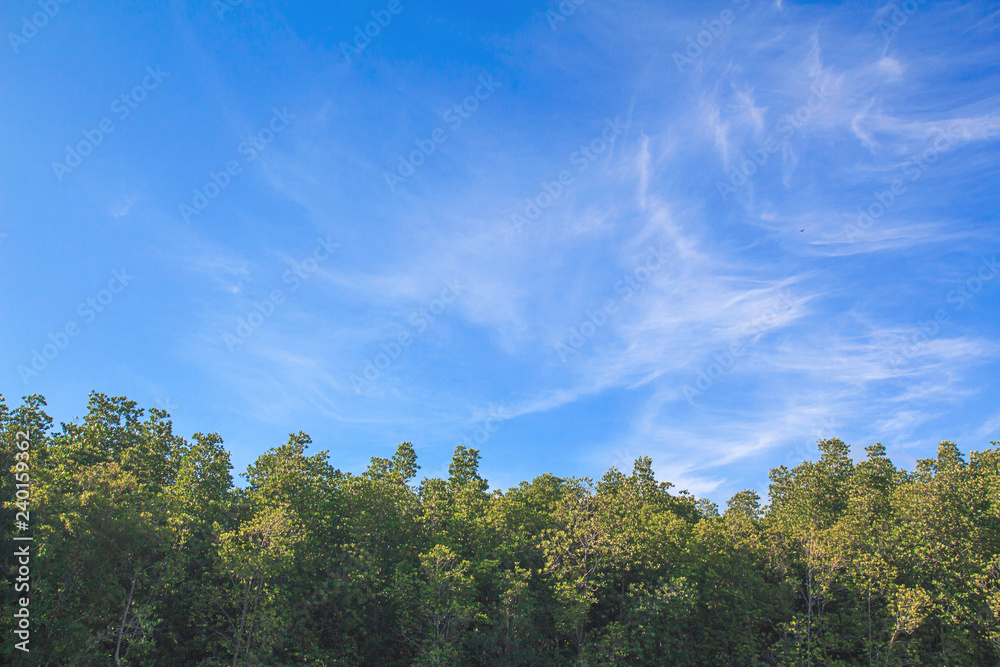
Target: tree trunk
x=243, y=620
x=121, y=628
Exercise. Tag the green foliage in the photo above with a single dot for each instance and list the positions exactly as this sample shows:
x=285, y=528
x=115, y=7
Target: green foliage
x=145, y=552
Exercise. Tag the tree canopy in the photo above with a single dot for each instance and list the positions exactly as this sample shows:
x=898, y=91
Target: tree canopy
x=145, y=552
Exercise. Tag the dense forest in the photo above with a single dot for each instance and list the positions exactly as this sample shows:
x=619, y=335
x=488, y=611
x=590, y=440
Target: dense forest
x=145, y=552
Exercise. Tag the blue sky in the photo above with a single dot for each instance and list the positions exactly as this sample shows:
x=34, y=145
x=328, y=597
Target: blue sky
x=568, y=235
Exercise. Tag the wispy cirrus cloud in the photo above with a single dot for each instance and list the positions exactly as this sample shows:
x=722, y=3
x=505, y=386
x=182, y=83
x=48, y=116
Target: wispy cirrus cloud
x=784, y=326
